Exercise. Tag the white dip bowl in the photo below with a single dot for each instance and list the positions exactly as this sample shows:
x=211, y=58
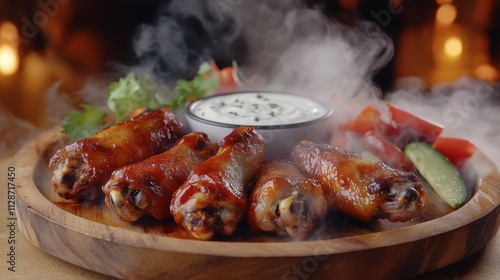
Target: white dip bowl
x=281, y=119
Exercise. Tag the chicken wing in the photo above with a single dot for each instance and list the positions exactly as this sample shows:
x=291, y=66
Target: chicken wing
x=82, y=168
x=214, y=197
x=285, y=201
x=360, y=187
x=146, y=188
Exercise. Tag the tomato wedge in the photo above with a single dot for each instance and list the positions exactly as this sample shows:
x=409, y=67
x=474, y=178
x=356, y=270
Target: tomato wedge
x=339, y=139
x=370, y=119
x=457, y=150
x=386, y=151
x=425, y=130
x=227, y=77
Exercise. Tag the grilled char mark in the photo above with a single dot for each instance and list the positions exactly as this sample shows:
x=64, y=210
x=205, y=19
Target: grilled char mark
x=130, y=204
x=405, y=200
x=293, y=217
x=69, y=176
x=204, y=217
x=285, y=201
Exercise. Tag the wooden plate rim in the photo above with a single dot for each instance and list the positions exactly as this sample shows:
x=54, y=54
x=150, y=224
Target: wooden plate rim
x=33, y=200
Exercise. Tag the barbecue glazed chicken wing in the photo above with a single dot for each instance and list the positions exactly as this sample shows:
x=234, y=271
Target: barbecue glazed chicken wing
x=359, y=187
x=82, y=168
x=213, y=198
x=285, y=201
x=146, y=188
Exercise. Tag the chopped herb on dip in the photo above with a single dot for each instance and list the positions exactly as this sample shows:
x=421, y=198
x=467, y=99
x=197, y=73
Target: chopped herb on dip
x=258, y=109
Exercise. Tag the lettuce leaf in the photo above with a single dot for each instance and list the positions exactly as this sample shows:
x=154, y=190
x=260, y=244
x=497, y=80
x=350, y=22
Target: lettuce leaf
x=130, y=93
x=79, y=125
x=205, y=83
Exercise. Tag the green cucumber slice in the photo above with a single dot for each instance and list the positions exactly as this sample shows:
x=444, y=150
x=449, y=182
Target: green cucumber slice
x=439, y=172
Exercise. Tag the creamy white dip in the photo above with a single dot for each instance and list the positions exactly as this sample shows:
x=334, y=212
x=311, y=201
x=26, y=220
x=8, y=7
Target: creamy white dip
x=258, y=109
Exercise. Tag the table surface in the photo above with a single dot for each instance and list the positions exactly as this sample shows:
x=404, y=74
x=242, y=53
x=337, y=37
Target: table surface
x=32, y=262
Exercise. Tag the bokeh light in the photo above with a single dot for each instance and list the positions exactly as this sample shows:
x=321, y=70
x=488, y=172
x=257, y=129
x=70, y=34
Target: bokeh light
x=446, y=14
x=486, y=72
x=9, y=56
x=453, y=47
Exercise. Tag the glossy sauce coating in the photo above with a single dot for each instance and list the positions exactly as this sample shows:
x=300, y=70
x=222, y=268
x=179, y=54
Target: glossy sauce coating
x=285, y=201
x=214, y=197
x=359, y=187
x=81, y=169
x=156, y=178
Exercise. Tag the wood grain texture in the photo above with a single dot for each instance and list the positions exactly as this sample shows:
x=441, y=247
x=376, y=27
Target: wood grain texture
x=91, y=236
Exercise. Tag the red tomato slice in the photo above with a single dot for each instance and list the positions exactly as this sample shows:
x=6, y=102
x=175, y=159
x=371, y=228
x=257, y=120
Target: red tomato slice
x=339, y=139
x=457, y=150
x=370, y=119
x=386, y=151
x=226, y=77
x=427, y=129
x=228, y=80
x=365, y=121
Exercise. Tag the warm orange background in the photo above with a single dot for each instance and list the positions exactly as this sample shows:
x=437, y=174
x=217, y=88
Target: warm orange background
x=79, y=37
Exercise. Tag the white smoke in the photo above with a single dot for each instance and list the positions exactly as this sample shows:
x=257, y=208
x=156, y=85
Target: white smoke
x=283, y=43
x=186, y=34
x=15, y=131
x=311, y=55
x=297, y=47
x=308, y=54
x=467, y=108
x=93, y=92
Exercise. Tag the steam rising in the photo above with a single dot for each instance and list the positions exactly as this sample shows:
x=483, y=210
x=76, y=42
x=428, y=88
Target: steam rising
x=187, y=33
x=14, y=132
x=295, y=47
x=313, y=56
x=467, y=108
x=285, y=43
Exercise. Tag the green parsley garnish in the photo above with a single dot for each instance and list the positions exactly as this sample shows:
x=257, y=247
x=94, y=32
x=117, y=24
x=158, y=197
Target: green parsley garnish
x=78, y=125
x=205, y=83
x=131, y=92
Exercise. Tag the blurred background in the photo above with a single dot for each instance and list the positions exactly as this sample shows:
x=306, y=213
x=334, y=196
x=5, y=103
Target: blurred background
x=66, y=41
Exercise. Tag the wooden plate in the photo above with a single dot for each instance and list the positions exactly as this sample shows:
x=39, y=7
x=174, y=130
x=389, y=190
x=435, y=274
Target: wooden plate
x=91, y=236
